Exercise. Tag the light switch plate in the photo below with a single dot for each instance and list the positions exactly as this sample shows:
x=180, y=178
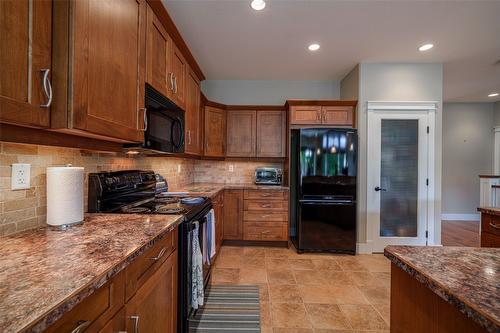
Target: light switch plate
x=231, y=168
x=20, y=177
x=178, y=168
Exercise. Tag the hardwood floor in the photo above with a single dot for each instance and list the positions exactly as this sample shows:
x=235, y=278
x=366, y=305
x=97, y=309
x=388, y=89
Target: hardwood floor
x=460, y=233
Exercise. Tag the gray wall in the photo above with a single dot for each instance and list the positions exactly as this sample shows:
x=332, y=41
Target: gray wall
x=397, y=82
x=349, y=86
x=497, y=113
x=467, y=153
x=268, y=92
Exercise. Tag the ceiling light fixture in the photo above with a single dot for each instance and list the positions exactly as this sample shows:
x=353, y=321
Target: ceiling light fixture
x=313, y=47
x=258, y=4
x=426, y=47
x=493, y=95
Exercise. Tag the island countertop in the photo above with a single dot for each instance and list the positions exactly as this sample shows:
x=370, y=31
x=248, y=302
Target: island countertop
x=467, y=278
x=46, y=272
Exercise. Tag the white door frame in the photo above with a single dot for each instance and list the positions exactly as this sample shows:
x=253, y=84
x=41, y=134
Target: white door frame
x=375, y=110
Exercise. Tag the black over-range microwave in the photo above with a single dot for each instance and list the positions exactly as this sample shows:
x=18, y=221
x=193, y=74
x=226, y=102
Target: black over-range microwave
x=163, y=125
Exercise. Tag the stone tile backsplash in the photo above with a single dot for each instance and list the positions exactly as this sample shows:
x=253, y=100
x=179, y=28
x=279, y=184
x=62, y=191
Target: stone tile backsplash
x=26, y=209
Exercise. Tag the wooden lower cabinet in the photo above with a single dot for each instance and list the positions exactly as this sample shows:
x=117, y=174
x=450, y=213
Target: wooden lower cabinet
x=490, y=230
x=151, y=306
x=415, y=309
x=154, y=306
x=233, y=214
x=218, y=205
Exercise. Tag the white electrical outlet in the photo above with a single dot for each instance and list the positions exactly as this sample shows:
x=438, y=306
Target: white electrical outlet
x=178, y=168
x=20, y=178
x=231, y=168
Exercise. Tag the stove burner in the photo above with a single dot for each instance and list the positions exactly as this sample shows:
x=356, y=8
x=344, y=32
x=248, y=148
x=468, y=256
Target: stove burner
x=167, y=200
x=170, y=210
x=136, y=210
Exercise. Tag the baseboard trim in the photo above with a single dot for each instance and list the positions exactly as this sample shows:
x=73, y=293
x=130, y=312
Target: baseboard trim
x=460, y=217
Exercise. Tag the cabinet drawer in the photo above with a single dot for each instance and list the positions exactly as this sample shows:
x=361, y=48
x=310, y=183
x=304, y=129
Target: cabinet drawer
x=265, y=231
x=92, y=314
x=145, y=265
x=489, y=240
x=259, y=216
x=266, y=194
x=266, y=205
x=490, y=224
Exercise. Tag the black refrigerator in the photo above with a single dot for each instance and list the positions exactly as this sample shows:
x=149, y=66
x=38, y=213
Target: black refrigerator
x=323, y=167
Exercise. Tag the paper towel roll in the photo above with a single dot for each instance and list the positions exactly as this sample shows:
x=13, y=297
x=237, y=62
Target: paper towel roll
x=64, y=195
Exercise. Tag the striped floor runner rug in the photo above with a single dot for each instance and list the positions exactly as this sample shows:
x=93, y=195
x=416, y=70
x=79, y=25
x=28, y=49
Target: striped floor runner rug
x=228, y=309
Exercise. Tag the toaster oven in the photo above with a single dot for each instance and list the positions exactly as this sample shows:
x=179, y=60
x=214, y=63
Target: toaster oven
x=268, y=176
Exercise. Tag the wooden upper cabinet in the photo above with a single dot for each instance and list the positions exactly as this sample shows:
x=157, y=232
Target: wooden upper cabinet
x=179, y=71
x=271, y=134
x=215, y=130
x=100, y=56
x=158, y=55
x=241, y=133
x=25, y=56
x=305, y=115
x=233, y=214
x=192, y=119
x=337, y=115
x=154, y=307
x=331, y=113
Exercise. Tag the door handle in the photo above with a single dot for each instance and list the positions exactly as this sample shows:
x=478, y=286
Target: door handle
x=136, y=323
x=378, y=188
x=171, y=79
x=47, y=88
x=145, y=118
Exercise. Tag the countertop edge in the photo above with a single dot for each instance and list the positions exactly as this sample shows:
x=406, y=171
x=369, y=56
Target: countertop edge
x=58, y=311
x=482, y=319
x=489, y=210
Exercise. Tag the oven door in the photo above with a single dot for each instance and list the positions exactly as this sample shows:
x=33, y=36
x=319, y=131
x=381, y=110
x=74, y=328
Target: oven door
x=164, y=130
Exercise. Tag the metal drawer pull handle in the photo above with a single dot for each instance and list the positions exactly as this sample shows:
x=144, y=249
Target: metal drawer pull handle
x=136, y=323
x=162, y=252
x=266, y=194
x=175, y=84
x=493, y=225
x=266, y=205
x=82, y=325
x=145, y=118
x=47, y=87
x=171, y=79
x=265, y=232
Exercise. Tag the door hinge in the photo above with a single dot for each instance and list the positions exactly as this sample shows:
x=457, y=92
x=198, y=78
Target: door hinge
x=426, y=234
x=427, y=182
x=428, y=129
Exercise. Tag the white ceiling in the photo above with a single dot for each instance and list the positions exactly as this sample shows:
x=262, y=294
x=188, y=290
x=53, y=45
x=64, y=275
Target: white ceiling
x=232, y=41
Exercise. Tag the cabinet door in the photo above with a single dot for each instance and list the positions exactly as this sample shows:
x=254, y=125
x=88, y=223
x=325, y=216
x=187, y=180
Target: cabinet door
x=215, y=128
x=241, y=134
x=159, y=47
x=271, y=138
x=179, y=70
x=305, y=115
x=154, y=307
x=233, y=214
x=25, y=55
x=192, y=131
x=219, y=219
x=108, y=67
x=337, y=115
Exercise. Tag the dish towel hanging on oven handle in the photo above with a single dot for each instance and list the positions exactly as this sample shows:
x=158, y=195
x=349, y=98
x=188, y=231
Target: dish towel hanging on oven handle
x=197, y=293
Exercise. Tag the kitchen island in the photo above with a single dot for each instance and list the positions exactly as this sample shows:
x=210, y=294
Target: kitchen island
x=444, y=289
x=47, y=273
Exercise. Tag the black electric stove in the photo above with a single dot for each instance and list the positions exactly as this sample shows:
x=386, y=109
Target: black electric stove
x=136, y=192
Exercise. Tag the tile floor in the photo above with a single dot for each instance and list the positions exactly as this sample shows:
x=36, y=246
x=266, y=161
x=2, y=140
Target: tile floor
x=311, y=293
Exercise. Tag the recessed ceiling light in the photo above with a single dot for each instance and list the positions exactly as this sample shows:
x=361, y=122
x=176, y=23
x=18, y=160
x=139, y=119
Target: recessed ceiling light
x=313, y=47
x=426, y=47
x=258, y=4
x=493, y=95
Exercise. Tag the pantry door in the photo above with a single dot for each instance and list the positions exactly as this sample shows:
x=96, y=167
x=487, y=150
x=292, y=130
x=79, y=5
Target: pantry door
x=398, y=176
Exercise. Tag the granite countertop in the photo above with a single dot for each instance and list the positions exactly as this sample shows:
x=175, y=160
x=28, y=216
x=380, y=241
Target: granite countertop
x=467, y=278
x=211, y=189
x=489, y=210
x=46, y=272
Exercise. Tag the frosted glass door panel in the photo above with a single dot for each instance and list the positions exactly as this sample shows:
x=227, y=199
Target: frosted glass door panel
x=399, y=178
